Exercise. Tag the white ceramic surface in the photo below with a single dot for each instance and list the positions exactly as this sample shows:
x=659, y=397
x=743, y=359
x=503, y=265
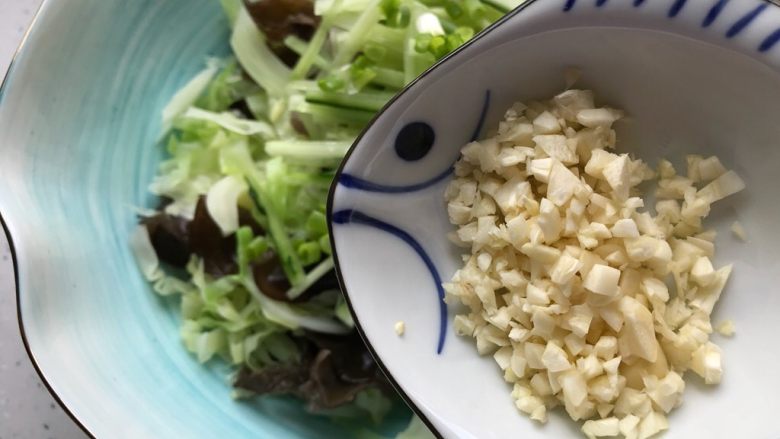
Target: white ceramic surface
x=27, y=410
x=695, y=77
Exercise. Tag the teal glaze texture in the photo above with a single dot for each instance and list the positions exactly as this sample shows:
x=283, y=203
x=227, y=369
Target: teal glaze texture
x=79, y=117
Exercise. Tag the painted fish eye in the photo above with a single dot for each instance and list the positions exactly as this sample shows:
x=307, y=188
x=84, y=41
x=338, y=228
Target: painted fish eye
x=414, y=141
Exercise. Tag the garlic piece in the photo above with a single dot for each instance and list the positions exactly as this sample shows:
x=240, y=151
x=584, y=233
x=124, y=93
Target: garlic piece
x=584, y=298
x=602, y=279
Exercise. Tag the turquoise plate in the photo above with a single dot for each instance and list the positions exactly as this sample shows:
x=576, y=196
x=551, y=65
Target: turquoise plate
x=79, y=116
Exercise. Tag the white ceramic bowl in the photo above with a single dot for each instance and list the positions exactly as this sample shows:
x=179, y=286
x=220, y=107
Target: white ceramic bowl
x=697, y=76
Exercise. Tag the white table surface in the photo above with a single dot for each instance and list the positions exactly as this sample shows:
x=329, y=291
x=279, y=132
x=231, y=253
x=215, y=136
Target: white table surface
x=27, y=410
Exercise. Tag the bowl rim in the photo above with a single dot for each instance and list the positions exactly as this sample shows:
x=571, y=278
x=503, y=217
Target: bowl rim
x=23, y=47
x=15, y=263
x=25, y=342
x=567, y=5
x=330, y=205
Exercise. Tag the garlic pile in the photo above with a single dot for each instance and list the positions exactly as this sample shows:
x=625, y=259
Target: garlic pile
x=568, y=279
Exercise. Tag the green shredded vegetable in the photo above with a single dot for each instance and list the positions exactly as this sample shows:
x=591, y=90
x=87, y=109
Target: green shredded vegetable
x=231, y=8
x=256, y=57
x=416, y=430
x=187, y=95
x=279, y=164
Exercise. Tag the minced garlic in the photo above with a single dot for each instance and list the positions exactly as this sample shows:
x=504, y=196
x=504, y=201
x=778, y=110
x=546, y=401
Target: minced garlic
x=567, y=279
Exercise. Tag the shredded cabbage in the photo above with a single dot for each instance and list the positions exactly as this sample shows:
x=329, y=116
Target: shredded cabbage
x=223, y=318
x=342, y=312
x=231, y=8
x=278, y=166
x=144, y=253
x=186, y=96
x=322, y=151
x=312, y=276
x=258, y=60
x=230, y=122
x=222, y=202
x=416, y=430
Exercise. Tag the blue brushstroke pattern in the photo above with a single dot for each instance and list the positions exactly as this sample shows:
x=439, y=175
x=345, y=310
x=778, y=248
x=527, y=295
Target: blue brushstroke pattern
x=743, y=22
x=676, y=8
x=770, y=41
x=638, y=3
x=354, y=182
x=600, y=3
x=349, y=216
x=482, y=116
x=569, y=4
x=712, y=15
x=350, y=181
